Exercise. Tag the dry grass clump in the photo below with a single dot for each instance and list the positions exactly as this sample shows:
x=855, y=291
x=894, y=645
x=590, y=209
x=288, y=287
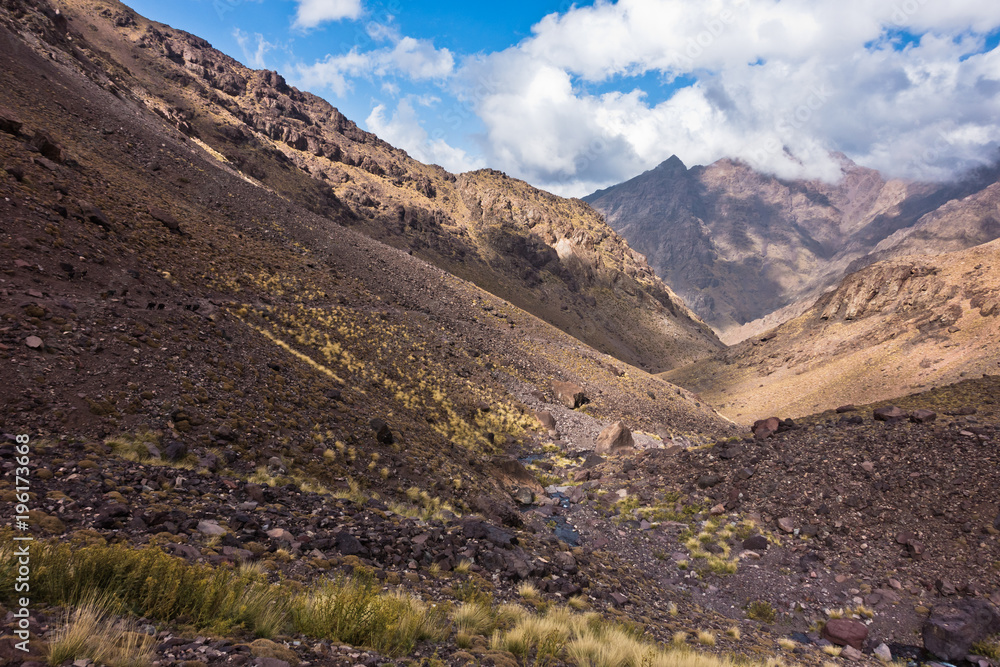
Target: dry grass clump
x=152, y=584
x=355, y=611
x=223, y=601
x=527, y=590
x=857, y=612
x=92, y=631
x=587, y=640
x=474, y=618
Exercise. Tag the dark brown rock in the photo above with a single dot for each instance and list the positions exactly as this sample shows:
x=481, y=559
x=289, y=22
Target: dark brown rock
x=8, y=123
x=708, y=481
x=382, y=431
x=169, y=221
x=922, y=416
x=845, y=632
x=47, y=147
x=915, y=549
x=953, y=628
x=95, y=215
x=765, y=428
x=889, y=413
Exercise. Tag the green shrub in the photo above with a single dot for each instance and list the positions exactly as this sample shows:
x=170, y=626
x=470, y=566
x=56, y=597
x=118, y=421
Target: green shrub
x=761, y=610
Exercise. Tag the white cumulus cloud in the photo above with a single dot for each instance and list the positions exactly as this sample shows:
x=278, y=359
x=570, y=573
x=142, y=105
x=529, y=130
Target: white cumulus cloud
x=416, y=59
x=254, y=48
x=778, y=84
x=311, y=13
x=403, y=129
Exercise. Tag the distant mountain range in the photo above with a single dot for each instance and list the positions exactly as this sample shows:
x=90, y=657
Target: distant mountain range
x=747, y=250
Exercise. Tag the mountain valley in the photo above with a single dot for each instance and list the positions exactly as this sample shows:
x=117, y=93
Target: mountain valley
x=294, y=398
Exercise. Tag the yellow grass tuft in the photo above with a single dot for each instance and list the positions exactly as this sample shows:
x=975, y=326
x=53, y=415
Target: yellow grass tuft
x=91, y=631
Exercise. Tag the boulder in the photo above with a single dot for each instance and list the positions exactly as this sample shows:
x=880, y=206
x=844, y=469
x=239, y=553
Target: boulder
x=348, y=545
x=614, y=438
x=546, y=419
x=480, y=530
x=765, y=428
x=845, y=632
x=569, y=394
x=852, y=654
x=211, y=528
x=47, y=147
x=382, y=431
x=524, y=495
x=95, y=215
x=565, y=561
x=512, y=475
x=952, y=628
x=8, y=123
x=755, y=543
x=922, y=416
x=281, y=535
x=889, y=413
x=708, y=481
x=883, y=653
x=168, y=221
x=175, y=450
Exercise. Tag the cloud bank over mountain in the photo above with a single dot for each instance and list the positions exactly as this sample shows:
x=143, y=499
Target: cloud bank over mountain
x=909, y=88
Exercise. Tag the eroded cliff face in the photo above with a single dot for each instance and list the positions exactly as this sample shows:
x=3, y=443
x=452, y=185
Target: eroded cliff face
x=555, y=258
x=747, y=251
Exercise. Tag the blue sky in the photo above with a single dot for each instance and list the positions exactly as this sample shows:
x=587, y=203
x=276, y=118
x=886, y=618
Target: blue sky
x=574, y=97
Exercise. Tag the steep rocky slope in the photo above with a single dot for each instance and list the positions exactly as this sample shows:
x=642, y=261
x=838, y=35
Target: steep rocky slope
x=556, y=259
x=890, y=329
x=744, y=247
x=148, y=286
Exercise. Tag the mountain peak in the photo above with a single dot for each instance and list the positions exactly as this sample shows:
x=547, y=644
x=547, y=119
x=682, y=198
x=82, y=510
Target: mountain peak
x=672, y=163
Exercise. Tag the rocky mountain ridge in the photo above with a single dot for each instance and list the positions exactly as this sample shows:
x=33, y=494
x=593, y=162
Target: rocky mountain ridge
x=550, y=256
